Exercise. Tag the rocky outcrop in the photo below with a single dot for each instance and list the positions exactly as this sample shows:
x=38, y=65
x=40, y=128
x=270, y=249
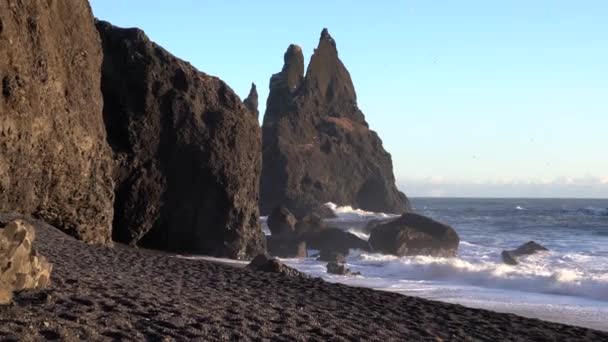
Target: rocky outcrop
x=187, y=149
x=20, y=266
x=281, y=221
x=528, y=248
x=55, y=162
x=251, y=101
x=317, y=146
x=266, y=263
x=414, y=234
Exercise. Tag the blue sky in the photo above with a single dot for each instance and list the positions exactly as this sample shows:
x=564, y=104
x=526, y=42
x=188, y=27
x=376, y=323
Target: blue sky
x=471, y=98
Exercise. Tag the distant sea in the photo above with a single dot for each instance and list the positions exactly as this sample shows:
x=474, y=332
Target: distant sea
x=568, y=284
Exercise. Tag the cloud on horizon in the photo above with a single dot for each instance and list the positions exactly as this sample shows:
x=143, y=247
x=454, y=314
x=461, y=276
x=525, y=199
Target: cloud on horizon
x=581, y=187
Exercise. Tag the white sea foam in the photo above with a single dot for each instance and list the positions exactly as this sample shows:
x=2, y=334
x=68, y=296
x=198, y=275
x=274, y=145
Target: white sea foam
x=348, y=213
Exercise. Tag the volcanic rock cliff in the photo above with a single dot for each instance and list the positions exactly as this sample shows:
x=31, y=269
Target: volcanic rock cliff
x=317, y=146
x=188, y=152
x=54, y=159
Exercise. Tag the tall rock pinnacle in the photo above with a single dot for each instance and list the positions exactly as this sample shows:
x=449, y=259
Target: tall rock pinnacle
x=251, y=102
x=317, y=146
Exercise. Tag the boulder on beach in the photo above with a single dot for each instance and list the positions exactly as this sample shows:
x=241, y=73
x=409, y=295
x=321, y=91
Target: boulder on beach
x=339, y=269
x=286, y=246
x=281, y=221
x=188, y=152
x=317, y=146
x=414, y=234
x=20, y=266
x=528, y=248
x=55, y=162
x=335, y=240
x=266, y=263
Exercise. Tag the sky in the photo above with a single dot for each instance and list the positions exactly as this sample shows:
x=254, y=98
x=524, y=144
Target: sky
x=471, y=98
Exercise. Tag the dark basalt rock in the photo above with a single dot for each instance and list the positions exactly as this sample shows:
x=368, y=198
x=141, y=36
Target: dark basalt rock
x=334, y=240
x=281, y=221
x=55, y=163
x=310, y=224
x=339, y=269
x=266, y=263
x=188, y=152
x=317, y=146
x=528, y=248
x=286, y=246
x=414, y=234
x=251, y=102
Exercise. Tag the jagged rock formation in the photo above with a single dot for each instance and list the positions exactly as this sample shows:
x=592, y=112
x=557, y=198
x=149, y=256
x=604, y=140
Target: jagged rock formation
x=251, y=102
x=20, y=266
x=317, y=146
x=188, y=152
x=414, y=234
x=55, y=162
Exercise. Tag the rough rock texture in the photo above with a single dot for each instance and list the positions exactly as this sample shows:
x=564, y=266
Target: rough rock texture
x=188, y=152
x=55, y=162
x=317, y=146
x=251, y=102
x=530, y=247
x=20, y=266
x=414, y=234
x=281, y=221
x=286, y=246
x=266, y=263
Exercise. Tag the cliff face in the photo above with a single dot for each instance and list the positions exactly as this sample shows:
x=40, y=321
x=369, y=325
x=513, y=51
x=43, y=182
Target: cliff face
x=54, y=159
x=317, y=146
x=188, y=152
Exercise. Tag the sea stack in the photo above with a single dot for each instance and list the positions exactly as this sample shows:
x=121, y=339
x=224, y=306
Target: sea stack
x=187, y=150
x=317, y=146
x=55, y=162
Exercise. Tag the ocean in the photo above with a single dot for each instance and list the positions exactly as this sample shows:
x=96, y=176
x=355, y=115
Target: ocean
x=568, y=284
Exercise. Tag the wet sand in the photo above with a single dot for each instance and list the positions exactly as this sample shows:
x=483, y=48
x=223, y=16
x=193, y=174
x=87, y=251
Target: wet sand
x=122, y=293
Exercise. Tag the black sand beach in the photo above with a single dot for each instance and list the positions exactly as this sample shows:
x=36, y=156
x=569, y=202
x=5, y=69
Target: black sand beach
x=121, y=293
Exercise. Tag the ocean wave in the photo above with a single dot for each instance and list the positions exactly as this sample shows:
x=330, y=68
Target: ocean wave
x=348, y=213
x=595, y=211
x=538, y=273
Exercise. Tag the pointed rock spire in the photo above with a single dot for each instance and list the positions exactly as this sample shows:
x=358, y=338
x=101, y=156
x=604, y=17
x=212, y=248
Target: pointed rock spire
x=326, y=74
x=251, y=102
x=293, y=69
x=317, y=146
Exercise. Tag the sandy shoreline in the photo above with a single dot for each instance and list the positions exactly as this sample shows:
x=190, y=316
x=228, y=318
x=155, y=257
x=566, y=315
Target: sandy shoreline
x=119, y=293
